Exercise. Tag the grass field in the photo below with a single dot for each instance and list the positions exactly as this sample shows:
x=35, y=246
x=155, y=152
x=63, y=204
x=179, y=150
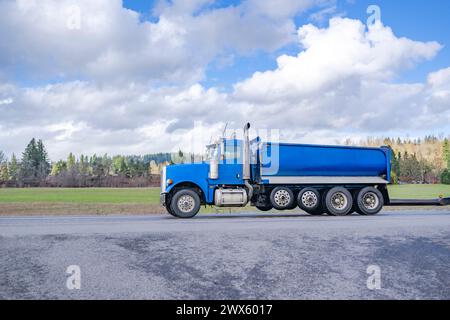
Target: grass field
x=135, y=200
x=81, y=195
x=416, y=191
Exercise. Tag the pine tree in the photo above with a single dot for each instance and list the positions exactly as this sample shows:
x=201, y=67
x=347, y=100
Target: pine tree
x=35, y=164
x=446, y=152
x=29, y=161
x=43, y=166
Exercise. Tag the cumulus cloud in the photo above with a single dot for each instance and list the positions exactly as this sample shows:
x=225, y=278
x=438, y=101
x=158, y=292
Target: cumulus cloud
x=102, y=40
x=344, y=50
x=341, y=82
x=83, y=116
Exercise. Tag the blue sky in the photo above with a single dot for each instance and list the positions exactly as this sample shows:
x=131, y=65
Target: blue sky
x=415, y=19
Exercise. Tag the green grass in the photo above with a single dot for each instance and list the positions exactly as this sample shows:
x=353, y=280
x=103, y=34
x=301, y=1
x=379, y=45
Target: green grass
x=81, y=195
x=151, y=195
x=419, y=191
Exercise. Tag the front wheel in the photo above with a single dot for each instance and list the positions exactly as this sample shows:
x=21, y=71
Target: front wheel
x=185, y=203
x=169, y=211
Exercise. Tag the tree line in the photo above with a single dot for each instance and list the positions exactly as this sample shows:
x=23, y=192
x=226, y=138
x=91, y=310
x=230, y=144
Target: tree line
x=34, y=169
x=421, y=160
x=424, y=160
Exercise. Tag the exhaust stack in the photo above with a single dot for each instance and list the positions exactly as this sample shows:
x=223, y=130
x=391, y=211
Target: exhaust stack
x=246, y=156
x=246, y=163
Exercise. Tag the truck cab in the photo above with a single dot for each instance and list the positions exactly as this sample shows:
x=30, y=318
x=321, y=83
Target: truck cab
x=218, y=180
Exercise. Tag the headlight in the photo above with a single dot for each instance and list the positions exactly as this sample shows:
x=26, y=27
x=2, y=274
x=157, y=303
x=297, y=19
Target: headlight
x=169, y=182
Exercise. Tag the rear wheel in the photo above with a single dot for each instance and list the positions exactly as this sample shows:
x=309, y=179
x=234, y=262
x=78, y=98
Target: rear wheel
x=369, y=201
x=309, y=200
x=282, y=198
x=185, y=203
x=338, y=201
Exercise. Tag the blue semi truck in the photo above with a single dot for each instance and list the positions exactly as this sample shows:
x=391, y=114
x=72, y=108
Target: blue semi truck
x=336, y=180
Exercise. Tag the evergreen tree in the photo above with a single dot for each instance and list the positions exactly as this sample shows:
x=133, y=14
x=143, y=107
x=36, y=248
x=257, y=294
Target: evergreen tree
x=445, y=177
x=35, y=164
x=446, y=152
x=43, y=164
x=29, y=161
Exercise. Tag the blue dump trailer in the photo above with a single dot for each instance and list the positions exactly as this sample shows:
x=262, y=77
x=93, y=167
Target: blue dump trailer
x=336, y=180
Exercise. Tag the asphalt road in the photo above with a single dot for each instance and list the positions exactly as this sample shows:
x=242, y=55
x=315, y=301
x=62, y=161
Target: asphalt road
x=245, y=256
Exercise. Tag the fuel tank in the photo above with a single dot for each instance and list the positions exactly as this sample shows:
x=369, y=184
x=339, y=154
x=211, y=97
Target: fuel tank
x=290, y=160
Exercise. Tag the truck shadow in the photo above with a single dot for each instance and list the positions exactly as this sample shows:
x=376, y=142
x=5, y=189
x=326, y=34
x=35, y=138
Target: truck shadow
x=211, y=216
x=384, y=213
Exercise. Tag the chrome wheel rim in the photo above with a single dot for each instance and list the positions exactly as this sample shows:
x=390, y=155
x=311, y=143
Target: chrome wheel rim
x=309, y=199
x=370, y=200
x=282, y=198
x=339, y=201
x=186, y=203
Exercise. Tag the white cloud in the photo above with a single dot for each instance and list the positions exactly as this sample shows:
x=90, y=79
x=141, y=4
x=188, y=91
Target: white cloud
x=6, y=101
x=82, y=117
x=343, y=51
x=340, y=83
x=102, y=40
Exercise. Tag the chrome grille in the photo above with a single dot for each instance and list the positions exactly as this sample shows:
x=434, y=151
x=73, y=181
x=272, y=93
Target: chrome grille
x=163, y=180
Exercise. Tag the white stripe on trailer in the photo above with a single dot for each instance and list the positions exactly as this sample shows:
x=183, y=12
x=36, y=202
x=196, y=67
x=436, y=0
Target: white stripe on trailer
x=324, y=180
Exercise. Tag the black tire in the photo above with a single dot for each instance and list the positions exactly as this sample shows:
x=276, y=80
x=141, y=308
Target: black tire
x=186, y=207
x=282, y=198
x=309, y=200
x=370, y=201
x=338, y=201
x=317, y=212
x=264, y=209
x=169, y=211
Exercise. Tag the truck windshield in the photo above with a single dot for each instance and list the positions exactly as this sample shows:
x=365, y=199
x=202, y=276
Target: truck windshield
x=232, y=152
